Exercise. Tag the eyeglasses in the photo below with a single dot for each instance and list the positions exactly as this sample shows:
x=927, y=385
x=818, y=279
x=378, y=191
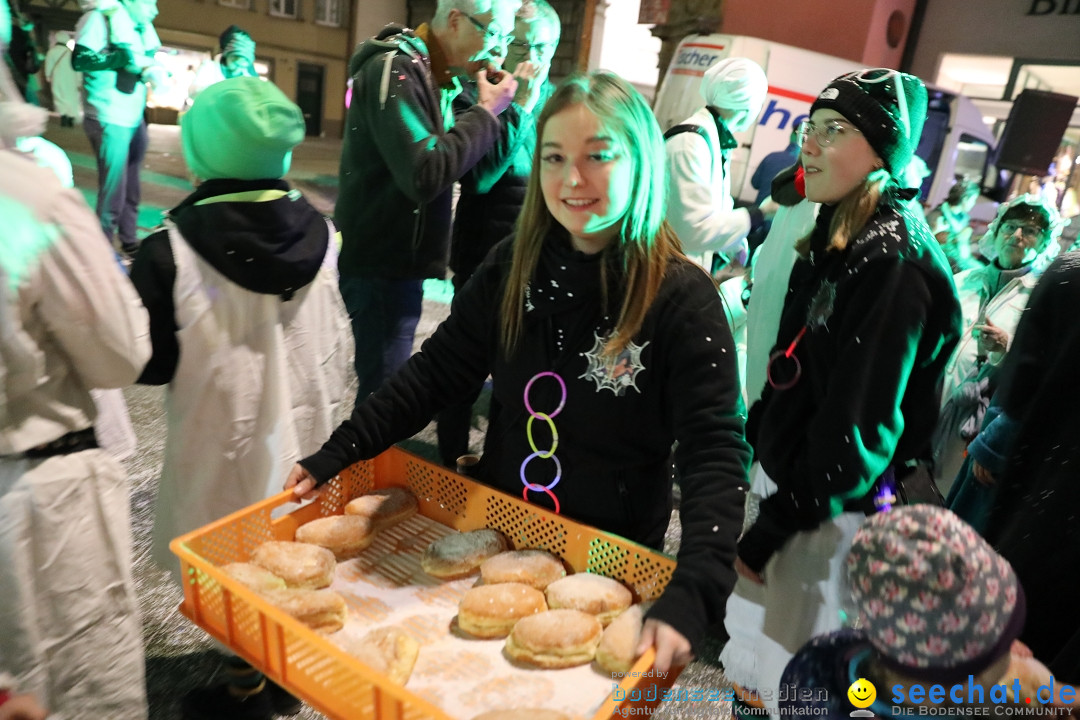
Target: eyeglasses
x=824, y=134
x=542, y=50
x=877, y=75
x=490, y=33
x=1028, y=232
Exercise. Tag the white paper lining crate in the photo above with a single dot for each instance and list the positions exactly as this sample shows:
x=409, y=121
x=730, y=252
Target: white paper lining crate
x=334, y=682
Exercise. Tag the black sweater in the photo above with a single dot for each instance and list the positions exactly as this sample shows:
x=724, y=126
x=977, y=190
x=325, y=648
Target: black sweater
x=616, y=428
x=1033, y=524
x=882, y=319
x=493, y=192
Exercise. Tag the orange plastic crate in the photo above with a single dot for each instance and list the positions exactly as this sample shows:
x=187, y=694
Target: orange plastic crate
x=339, y=685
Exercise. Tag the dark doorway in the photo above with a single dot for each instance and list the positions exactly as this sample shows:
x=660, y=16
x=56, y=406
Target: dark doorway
x=309, y=95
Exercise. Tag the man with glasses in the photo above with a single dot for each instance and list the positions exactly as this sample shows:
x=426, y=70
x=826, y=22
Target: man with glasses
x=536, y=37
x=493, y=192
x=701, y=209
x=404, y=149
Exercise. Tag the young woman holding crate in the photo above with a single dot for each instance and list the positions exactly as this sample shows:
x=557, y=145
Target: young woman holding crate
x=606, y=347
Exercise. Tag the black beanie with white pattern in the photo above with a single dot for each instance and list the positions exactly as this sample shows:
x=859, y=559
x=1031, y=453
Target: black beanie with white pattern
x=869, y=101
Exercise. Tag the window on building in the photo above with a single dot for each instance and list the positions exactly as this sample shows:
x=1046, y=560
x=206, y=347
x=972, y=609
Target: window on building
x=329, y=12
x=285, y=8
x=238, y=4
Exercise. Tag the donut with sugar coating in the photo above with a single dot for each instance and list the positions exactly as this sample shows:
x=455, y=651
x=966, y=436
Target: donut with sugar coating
x=490, y=611
x=254, y=577
x=390, y=650
x=554, y=639
x=595, y=594
x=618, y=645
x=343, y=535
x=385, y=506
x=321, y=610
x=537, y=568
x=300, y=565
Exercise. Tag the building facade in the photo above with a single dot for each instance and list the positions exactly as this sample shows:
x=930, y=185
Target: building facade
x=302, y=46
x=994, y=50
x=998, y=48
x=873, y=32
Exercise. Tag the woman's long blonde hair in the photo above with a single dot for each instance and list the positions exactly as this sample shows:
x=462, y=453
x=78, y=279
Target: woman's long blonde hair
x=645, y=243
x=852, y=212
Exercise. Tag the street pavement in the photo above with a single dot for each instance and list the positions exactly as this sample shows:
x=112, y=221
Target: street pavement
x=180, y=656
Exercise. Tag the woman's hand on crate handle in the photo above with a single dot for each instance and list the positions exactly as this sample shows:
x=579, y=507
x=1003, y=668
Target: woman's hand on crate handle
x=672, y=649
x=301, y=483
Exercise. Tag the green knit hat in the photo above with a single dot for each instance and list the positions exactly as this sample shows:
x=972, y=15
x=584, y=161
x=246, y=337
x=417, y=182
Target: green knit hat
x=888, y=108
x=242, y=128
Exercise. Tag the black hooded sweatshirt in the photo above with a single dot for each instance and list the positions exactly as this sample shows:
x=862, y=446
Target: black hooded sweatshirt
x=273, y=247
x=616, y=423
x=493, y=192
x=879, y=321
x=1033, y=523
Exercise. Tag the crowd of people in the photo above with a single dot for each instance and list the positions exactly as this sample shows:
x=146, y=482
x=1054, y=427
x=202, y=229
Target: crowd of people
x=880, y=355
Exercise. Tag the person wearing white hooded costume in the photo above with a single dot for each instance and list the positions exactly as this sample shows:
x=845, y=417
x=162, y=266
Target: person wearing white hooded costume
x=24, y=124
x=64, y=81
x=701, y=209
x=249, y=331
x=70, y=628
x=770, y=273
x=1020, y=242
x=248, y=328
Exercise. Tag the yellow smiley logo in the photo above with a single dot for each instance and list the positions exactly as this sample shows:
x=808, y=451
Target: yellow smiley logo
x=862, y=693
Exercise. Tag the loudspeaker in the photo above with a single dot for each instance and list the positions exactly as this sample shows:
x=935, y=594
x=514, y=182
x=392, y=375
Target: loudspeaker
x=1033, y=132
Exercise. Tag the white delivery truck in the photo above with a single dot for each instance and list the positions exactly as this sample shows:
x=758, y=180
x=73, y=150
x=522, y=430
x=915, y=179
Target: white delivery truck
x=954, y=142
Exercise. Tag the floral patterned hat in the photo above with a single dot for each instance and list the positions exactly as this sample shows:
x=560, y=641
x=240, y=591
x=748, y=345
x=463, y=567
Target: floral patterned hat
x=936, y=601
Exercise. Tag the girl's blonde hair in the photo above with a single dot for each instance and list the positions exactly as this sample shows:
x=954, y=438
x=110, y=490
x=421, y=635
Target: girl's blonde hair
x=852, y=212
x=645, y=243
